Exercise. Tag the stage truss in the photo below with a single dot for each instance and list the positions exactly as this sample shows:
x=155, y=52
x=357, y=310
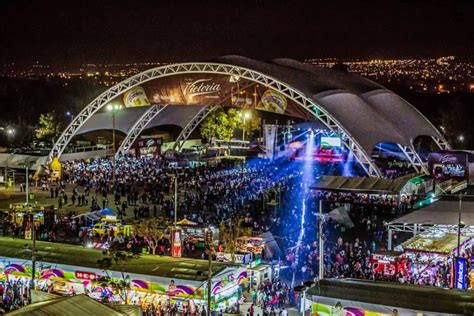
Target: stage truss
x=318, y=112
x=138, y=127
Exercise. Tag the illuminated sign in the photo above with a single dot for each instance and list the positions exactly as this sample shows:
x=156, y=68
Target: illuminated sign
x=330, y=141
x=201, y=87
x=83, y=275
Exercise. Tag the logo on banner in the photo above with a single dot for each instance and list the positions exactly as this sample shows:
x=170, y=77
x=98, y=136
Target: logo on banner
x=135, y=97
x=448, y=159
x=460, y=274
x=83, y=275
x=201, y=87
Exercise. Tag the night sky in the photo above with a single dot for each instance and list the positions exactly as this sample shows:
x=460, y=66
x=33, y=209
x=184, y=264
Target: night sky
x=71, y=32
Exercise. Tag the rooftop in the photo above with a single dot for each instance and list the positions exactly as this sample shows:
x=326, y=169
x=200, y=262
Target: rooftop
x=442, y=212
x=160, y=266
x=407, y=296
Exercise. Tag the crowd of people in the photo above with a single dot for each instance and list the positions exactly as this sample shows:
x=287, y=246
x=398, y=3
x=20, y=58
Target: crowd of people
x=259, y=195
x=14, y=294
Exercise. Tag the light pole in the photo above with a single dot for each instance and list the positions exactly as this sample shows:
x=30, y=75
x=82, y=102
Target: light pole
x=114, y=108
x=10, y=133
x=175, y=199
x=321, y=241
x=174, y=176
x=245, y=116
x=459, y=225
x=208, y=240
x=70, y=115
x=31, y=218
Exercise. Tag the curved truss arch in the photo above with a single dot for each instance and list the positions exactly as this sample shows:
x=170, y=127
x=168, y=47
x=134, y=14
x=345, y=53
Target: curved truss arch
x=414, y=159
x=442, y=143
x=224, y=69
x=138, y=127
x=191, y=126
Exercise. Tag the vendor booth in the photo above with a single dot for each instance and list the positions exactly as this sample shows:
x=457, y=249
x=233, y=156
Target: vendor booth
x=102, y=222
x=43, y=213
x=430, y=255
x=154, y=280
x=194, y=233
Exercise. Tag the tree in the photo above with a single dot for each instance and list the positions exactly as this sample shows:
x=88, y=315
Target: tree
x=151, y=233
x=228, y=234
x=221, y=124
x=49, y=127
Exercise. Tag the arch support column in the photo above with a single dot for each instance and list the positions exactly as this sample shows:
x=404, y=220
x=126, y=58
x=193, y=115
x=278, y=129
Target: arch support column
x=138, y=127
x=191, y=126
x=414, y=159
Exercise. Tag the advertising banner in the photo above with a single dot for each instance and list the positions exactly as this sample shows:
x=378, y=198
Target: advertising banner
x=190, y=89
x=149, y=146
x=460, y=271
x=445, y=165
x=135, y=97
x=272, y=101
x=213, y=89
x=176, y=244
x=270, y=133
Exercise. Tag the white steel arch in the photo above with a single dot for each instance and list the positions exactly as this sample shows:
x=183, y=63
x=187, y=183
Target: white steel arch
x=138, y=127
x=414, y=159
x=198, y=118
x=191, y=126
x=442, y=143
x=224, y=69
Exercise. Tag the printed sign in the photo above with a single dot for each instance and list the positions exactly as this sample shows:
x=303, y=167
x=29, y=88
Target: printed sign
x=135, y=97
x=84, y=275
x=448, y=165
x=176, y=243
x=460, y=270
x=273, y=101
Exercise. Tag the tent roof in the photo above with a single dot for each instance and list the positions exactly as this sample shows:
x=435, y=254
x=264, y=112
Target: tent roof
x=445, y=244
x=67, y=305
x=440, y=213
x=150, y=265
x=186, y=222
x=362, y=185
x=179, y=115
x=371, y=113
x=407, y=296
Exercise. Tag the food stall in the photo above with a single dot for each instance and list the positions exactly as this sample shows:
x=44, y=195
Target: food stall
x=143, y=290
x=102, y=222
x=43, y=213
x=428, y=253
x=258, y=271
x=255, y=245
x=194, y=233
x=227, y=288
